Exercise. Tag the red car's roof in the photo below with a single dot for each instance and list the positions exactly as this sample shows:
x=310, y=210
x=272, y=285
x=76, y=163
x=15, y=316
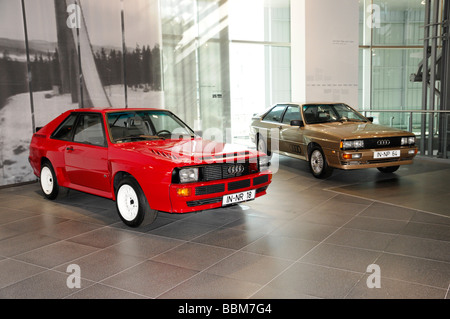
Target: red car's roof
x=109, y=109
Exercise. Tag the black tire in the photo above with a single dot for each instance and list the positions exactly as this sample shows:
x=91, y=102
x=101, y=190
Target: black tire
x=48, y=181
x=389, y=169
x=132, y=205
x=318, y=163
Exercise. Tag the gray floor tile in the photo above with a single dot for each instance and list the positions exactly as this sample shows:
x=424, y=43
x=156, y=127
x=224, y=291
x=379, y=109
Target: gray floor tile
x=395, y=289
x=12, y=271
x=46, y=285
x=9, y=215
x=183, y=230
x=99, y=291
x=250, y=267
x=193, y=256
x=229, y=238
x=208, y=286
x=102, y=264
x=146, y=246
x=430, y=231
x=281, y=247
x=381, y=210
x=150, y=278
x=420, y=247
x=361, y=239
x=316, y=281
x=377, y=224
x=25, y=242
x=55, y=254
x=304, y=230
x=35, y=223
x=416, y=270
x=341, y=257
x=67, y=229
x=103, y=237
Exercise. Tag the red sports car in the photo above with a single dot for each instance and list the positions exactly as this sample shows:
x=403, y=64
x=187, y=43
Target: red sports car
x=147, y=160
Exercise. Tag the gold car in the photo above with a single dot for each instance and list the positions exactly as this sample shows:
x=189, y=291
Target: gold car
x=331, y=135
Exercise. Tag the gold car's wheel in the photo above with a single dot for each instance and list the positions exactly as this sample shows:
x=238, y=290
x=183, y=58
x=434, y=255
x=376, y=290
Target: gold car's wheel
x=318, y=164
x=261, y=146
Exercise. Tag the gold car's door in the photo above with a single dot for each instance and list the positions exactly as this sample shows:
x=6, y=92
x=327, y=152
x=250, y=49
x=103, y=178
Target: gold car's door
x=269, y=128
x=291, y=136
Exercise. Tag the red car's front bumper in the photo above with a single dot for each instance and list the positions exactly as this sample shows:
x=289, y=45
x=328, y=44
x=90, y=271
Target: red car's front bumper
x=193, y=197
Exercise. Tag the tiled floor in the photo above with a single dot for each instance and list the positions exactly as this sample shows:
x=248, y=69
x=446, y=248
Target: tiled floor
x=306, y=239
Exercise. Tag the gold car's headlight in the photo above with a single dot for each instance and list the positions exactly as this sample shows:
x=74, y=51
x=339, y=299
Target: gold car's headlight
x=411, y=140
x=352, y=144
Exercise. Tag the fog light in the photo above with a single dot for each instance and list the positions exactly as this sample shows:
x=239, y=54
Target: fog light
x=352, y=156
x=183, y=192
x=412, y=152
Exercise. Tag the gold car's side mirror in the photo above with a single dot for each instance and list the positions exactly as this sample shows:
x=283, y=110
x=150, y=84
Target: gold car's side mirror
x=370, y=118
x=297, y=123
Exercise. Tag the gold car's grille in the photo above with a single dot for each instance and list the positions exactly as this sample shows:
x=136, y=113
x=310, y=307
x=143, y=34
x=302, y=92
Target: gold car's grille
x=382, y=142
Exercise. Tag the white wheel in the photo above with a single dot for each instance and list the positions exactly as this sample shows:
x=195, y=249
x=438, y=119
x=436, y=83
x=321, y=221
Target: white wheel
x=48, y=181
x=132, y=205
x=127, y=202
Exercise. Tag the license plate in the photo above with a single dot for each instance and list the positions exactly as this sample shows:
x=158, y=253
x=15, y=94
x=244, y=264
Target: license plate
x=386, y=154
x=238, y=197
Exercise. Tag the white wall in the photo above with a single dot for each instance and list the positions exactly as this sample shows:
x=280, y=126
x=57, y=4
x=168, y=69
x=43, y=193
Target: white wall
x=324, y=46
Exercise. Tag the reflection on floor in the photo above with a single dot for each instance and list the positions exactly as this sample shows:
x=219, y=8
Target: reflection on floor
x=306, y=239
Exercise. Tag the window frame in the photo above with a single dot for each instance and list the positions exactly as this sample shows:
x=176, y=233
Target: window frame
x=77, y=116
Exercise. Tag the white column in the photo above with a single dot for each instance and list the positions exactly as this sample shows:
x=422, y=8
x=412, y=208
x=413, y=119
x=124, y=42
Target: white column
x=324, y=51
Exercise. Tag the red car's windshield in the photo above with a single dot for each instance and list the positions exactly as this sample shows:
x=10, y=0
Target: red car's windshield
x=127, y=126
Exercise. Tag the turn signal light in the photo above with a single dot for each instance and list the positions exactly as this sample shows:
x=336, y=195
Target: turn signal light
x=352, y=156
x=184, y=192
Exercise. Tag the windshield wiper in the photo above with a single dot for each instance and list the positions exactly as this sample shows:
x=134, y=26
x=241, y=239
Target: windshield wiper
x=342, y=120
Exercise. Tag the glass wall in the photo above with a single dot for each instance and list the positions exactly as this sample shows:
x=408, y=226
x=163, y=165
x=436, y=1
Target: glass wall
x=390, y=52
x=260, y=59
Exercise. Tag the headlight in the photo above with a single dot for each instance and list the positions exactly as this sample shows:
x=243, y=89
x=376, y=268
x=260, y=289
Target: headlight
x=409, y=140
x=188, y=175
x=355, y=144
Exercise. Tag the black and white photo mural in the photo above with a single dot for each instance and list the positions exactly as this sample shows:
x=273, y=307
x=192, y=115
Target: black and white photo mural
x=57, y=55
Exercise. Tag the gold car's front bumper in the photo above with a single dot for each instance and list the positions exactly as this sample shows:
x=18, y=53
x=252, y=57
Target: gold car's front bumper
x=360, y=159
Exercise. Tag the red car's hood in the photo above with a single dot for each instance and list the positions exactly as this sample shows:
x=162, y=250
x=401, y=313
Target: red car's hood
x=191, y=151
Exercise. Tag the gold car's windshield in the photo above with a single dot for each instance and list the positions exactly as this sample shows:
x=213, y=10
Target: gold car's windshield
x=327, y=113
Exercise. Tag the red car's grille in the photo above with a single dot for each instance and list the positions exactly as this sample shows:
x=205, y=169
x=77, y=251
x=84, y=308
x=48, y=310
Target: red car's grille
x=209, y=189
x=222, y=171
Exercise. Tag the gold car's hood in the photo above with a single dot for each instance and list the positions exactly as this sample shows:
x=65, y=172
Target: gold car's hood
x=353, y=130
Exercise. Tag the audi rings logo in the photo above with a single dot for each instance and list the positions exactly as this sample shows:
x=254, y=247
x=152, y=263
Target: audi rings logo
x=383, y=142
x=235, y=169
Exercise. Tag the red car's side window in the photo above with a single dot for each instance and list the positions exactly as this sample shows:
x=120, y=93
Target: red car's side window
x=64, y=131
x=89, y=130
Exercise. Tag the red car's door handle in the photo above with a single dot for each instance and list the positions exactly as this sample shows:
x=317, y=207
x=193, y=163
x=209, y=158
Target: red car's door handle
x=70, y=148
